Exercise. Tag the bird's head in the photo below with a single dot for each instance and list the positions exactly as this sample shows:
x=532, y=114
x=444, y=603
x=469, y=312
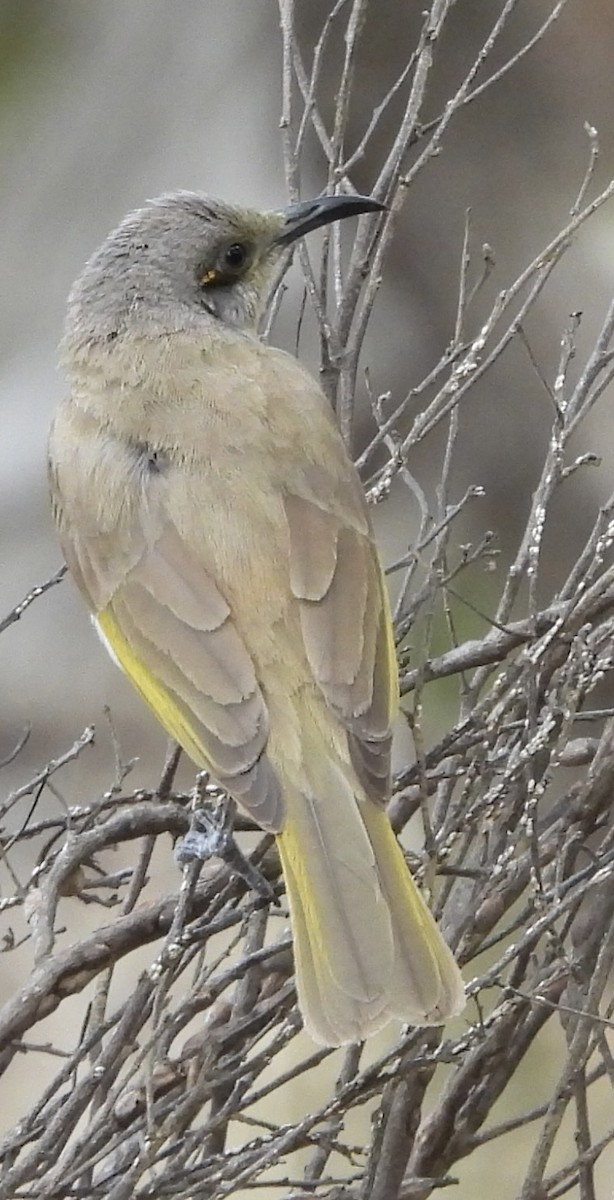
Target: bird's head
x=186, y=256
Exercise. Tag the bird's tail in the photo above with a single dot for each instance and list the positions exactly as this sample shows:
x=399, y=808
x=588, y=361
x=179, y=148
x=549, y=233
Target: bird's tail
x=366, y=946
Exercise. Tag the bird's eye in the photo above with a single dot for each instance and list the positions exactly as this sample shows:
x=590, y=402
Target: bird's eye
x=235, y=256
x=231, y=261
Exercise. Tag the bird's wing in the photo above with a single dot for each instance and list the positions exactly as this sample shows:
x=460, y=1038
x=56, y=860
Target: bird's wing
x=337, y=578
x=169, y=627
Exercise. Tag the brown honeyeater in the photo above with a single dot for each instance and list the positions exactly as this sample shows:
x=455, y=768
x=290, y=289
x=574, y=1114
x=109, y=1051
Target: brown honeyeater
x=217, y=529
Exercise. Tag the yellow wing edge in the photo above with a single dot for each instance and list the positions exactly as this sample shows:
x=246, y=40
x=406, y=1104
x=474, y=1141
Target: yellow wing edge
x=165, y=707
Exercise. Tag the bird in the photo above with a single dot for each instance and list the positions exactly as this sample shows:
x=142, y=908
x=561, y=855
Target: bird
x=217, y=529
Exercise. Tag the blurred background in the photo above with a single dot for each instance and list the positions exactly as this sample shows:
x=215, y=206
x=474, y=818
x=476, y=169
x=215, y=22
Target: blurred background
x=103, y=105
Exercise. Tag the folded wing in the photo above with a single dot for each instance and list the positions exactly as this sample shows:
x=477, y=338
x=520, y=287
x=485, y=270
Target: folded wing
x=336, y=577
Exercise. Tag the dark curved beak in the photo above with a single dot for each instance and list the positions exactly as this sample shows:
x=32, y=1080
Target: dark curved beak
x=311, y=214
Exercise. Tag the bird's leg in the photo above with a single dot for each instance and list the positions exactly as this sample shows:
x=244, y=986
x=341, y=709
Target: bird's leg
x=211, y=836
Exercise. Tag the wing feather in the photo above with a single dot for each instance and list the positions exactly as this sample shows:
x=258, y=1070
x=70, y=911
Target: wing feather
x=333, y=627
x=315, y=531
x=172, y=632
x=336, y=576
